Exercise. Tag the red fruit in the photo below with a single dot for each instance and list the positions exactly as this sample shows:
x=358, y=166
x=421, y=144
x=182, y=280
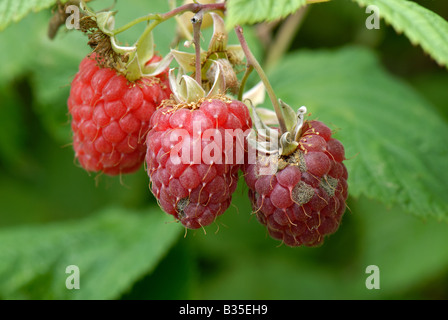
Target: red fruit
x=110, y=116
x=193, y=158
x=304, y=201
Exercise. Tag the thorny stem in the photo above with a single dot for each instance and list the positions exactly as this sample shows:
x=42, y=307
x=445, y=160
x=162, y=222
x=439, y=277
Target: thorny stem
x=252, y=61
x=193, y=7
x=197, y=22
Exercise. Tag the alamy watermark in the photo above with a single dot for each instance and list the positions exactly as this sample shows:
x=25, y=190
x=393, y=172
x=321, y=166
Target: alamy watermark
x=373, y=21
x=72, y=21
x=221, y=146
x=373, y=280
x=73, y=280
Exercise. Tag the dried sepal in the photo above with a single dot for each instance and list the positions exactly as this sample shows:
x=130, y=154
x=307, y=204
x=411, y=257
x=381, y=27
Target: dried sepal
x=228, y=80
x=297, y=130
x=218, y=42
x=106, y=22
x=235, y=54
x=185, y=89
x=288, y=114
x=256, y=95
x=186, y=60
x=131, y=61
x=287, y=145
x=139, y=56
x=267, y=140
x=219, y=82
x=184, y=28
x=155, y=68
x=216, y=53
x=263, y=138
x=268, y=116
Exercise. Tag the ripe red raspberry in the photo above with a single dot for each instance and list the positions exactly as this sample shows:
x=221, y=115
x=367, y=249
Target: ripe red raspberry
x=110, y=116
x=305, y=199
x=193, y=158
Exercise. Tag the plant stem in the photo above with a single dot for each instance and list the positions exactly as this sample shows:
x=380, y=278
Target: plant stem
x=252, y=61
x=197, y=22
x=137, y=21
x=193, y=7
x=249, y=70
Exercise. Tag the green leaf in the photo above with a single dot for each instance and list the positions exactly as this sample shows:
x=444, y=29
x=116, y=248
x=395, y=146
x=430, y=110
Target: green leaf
x=253, y=11
x=395, y=140
x=14, y=10
x=112, y=250
x=433, y=86
x=422, y=26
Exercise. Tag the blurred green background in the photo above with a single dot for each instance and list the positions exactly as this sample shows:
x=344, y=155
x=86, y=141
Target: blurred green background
x=53, y=214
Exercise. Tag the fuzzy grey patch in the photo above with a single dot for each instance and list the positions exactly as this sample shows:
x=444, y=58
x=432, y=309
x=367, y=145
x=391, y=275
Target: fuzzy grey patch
x=181, y=205
x=329, y=184
x=302, y=193
x=302, y=164
x=295, y=159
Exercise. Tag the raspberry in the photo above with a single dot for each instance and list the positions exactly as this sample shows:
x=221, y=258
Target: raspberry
x=304, y=201
x=110, y=116
x=193, y=158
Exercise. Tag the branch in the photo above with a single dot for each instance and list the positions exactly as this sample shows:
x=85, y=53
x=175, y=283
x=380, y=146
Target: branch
x=193, y=7
x=197, y=22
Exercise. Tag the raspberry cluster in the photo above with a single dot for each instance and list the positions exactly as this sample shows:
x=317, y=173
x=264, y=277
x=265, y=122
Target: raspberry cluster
x=128, y=108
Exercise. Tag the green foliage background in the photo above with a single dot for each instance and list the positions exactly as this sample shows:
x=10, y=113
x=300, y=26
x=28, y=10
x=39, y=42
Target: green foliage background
x=385, y=98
